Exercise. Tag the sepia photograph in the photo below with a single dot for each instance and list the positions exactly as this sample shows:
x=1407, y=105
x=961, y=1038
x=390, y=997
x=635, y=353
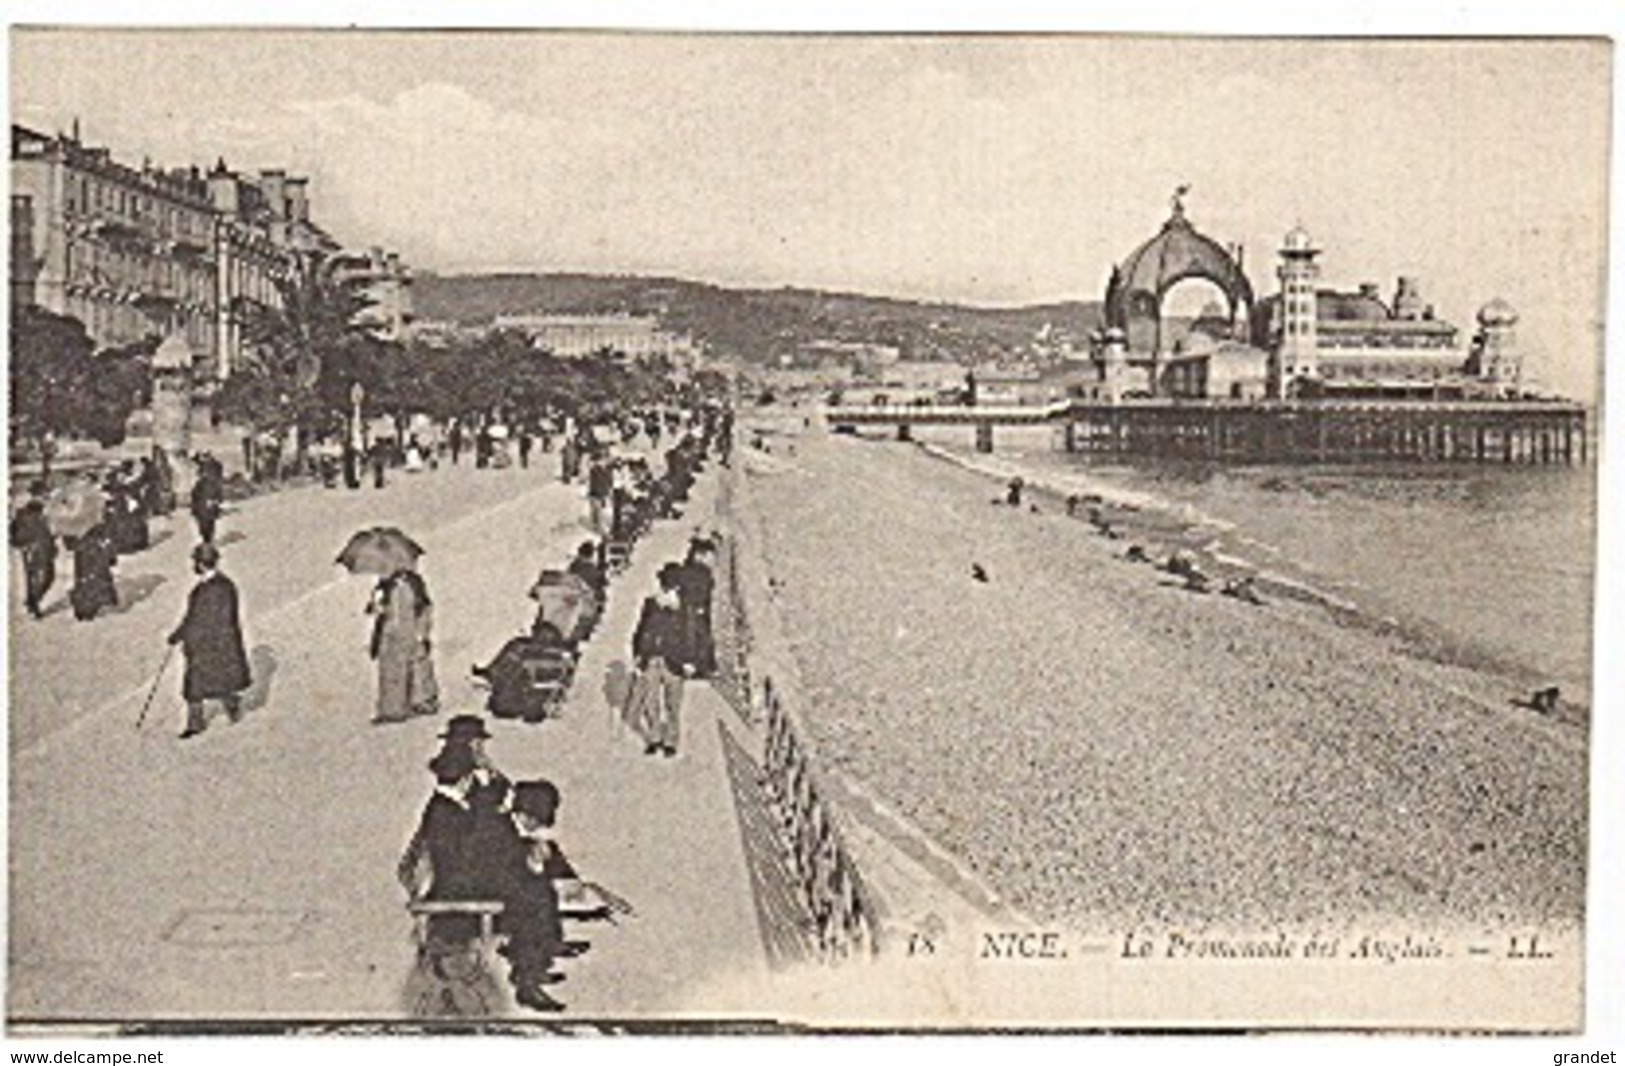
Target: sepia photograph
x=539, y=530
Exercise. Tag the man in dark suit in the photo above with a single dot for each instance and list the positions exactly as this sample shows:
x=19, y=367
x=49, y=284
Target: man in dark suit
x=31, y=534
x=208, y=501
x=696, y=585
x=661, y=652
x=446, y=833
x=211, y=637
x=530, y=912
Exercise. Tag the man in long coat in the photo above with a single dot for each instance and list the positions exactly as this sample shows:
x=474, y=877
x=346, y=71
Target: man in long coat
x=31, y=534
x=211, y=637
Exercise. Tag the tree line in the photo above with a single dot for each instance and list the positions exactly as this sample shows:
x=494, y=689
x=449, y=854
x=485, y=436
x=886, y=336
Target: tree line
x=303, y=362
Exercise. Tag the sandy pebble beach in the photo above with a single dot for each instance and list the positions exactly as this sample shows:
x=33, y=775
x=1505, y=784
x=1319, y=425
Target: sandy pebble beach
x=1107, y=748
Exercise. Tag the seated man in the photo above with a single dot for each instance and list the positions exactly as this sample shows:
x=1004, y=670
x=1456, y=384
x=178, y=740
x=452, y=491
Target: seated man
x=530, y=916
x=445, y=834
x=586, y=569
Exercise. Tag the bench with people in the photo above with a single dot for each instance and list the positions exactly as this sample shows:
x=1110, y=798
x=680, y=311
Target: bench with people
x=484, y=875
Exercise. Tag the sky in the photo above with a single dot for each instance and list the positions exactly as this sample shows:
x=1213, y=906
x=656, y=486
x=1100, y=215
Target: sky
x=987, y=170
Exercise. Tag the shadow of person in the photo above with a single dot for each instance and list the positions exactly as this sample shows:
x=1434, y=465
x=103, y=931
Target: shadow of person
x=617, y=685
x=262, y=665
x=230, y=537
x=133, y=590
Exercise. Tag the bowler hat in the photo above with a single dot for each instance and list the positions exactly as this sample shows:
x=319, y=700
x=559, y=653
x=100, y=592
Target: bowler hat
x=465, y=727
x=539, y=799
x=206, y=555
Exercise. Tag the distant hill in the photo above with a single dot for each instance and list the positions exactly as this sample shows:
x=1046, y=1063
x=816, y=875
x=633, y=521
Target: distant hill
x=757, y=325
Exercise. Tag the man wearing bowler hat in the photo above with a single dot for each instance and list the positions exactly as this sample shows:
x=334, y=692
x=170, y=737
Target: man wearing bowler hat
x=530, y=914
x=211, y=639
x=468, y=731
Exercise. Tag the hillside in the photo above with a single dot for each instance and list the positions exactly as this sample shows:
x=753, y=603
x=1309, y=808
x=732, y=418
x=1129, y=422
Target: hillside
x=756, y=325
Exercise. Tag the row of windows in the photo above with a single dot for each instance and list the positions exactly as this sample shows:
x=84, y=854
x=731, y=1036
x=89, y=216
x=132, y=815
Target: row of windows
x=1442, y=342
x=90, y=262
x=1387, y=372
x=87, y=194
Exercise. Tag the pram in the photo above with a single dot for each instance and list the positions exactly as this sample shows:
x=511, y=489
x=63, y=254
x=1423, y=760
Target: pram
x=529, y=678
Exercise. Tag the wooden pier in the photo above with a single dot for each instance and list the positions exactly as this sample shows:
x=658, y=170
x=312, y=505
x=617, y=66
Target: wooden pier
x=1541, y=432
x=1335, y=431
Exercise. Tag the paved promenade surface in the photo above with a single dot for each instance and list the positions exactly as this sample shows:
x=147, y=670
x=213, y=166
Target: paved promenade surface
x=249, y=873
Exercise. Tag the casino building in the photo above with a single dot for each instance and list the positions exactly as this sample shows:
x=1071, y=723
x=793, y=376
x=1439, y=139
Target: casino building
x=1303, y=341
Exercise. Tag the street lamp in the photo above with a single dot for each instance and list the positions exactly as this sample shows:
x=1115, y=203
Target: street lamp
x=357, y=394
x=352, y=454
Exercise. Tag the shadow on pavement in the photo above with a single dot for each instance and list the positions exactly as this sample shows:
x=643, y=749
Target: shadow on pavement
x=132, y=591
x=262, y=665
x=617, y=685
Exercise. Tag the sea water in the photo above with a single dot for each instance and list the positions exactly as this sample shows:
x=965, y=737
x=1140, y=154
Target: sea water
x=1489, y=566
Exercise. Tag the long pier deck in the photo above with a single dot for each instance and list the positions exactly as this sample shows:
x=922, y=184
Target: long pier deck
x=1481, y=431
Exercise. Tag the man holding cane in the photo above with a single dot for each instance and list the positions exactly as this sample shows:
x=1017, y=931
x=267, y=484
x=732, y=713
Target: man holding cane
x=211, y=638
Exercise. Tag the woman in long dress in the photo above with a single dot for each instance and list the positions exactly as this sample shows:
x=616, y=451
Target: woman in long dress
x=402, y=645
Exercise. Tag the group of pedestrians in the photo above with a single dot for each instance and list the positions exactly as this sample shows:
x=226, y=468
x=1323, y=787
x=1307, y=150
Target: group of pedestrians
x=123, y=506
x=481, y=837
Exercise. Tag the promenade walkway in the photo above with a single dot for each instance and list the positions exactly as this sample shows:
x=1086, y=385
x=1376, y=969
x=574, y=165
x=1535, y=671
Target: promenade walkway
x=248, y=875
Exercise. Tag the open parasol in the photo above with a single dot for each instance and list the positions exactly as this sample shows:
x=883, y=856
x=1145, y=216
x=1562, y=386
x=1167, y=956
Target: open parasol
x=382, y=550
x=75, y=507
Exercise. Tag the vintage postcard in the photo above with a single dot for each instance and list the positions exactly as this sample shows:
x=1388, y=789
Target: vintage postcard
x=664, y=531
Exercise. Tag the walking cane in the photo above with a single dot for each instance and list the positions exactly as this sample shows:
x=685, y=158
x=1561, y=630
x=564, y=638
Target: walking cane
x=168, y=654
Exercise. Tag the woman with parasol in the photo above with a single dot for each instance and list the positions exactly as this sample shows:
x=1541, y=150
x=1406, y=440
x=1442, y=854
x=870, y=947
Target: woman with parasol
x=403, y=622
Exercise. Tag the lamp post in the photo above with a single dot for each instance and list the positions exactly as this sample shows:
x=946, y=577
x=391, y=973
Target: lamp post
x=172, y=407
x=354, y=443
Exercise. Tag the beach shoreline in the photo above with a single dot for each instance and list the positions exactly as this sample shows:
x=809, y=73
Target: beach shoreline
x=1107, y=748
x=1163, y=527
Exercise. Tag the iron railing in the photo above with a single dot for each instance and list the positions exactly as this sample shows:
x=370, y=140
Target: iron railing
x=845, y=923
